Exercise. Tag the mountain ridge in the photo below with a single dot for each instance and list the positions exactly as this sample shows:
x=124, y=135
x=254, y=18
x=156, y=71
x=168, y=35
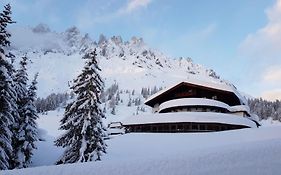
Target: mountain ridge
x=57, y=58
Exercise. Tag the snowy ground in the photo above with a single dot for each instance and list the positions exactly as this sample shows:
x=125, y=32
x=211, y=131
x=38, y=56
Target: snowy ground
x=47, y=153
x=269, y=122
x=247, y=151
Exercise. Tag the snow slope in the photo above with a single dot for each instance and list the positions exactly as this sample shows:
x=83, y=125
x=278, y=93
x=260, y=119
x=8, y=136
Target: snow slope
x=247, y=151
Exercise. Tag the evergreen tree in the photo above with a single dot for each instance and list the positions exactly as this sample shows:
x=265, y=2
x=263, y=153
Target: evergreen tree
x=113, y=112
x=117, y=97
x=129, y=102
x=265, y=109
x=20, y=80
x=8, y=107
x=5, y=19
x=112, y=102
x=82, y=119
x=26, y=133
x=104, y=108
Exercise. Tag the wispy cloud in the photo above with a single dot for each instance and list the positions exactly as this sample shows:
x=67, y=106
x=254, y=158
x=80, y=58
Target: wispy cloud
x=87, y=18
x=272, y=75
x=133, y=5
x=263, y=48
x=265, y=43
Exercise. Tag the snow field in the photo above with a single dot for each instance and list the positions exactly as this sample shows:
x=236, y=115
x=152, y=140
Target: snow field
x=247, y=151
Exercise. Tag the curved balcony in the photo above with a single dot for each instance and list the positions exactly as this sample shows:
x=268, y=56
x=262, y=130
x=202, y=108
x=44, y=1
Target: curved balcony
x=239, y=108
x=191, y=118
x=193, y=102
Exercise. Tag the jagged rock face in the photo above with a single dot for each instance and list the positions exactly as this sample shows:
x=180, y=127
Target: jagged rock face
x=132, y=64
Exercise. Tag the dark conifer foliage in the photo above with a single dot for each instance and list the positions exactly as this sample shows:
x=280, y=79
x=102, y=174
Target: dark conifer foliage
x=7, y=110
x=18, y=130
x=5, y=20
x=28, y=132
x=82, y=119
x=8, y=107
x=20, y=80
x=265, y=109
x=52, y=102
x=25, y=130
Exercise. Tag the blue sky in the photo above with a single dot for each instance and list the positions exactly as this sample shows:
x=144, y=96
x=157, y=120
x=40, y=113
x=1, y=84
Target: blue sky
x=239, y=39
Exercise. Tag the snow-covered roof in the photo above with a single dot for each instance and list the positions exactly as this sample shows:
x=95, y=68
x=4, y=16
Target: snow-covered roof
x=239, y=108
x=199, y=117
x=210, y=84
x=192, y=102
x=114, y=124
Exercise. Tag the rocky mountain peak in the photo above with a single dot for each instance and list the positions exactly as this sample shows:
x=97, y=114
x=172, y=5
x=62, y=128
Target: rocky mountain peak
x=102, y=40
x=121, y=61
x=41, y=28
x=137, y=41
x=117, y=40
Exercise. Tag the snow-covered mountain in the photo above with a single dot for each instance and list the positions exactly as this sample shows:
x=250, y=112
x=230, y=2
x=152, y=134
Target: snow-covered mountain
x=129, y=67
x=132, y=64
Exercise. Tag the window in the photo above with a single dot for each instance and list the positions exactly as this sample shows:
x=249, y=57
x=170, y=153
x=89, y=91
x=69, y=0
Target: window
x=202, y=127
x=194, y=127
x=187, y=127
x=166, y=128
x=146, y=128
x=173, y=127
x=216, y=128
x=180, y=127
x=160, y=128
x=210, y=128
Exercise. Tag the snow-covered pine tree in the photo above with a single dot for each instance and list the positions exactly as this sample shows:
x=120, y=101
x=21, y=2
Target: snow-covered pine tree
x=29, y=126
x=129, y=101
x=82, y=119
x=5, y=20
x=113, y=110
x=20, y=80
x=25, y=132
x=8, y=107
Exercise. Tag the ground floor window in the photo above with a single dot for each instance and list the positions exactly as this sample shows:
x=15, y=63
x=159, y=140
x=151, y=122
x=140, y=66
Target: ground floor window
x=182, y=127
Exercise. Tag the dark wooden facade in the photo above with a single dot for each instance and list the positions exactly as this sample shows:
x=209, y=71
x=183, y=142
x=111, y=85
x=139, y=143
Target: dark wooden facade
x=182, y=127
x=187, y=90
